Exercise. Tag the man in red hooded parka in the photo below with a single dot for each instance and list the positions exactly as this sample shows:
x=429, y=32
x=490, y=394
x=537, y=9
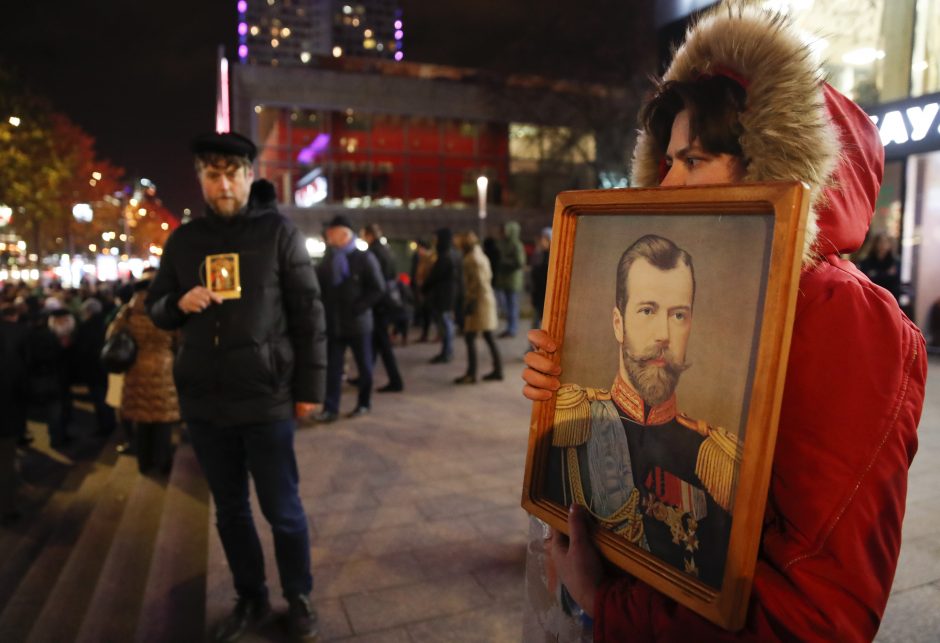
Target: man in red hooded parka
x=855, y=377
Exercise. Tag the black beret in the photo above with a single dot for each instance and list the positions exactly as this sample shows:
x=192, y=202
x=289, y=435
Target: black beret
x=229, y=144
x=339, y=221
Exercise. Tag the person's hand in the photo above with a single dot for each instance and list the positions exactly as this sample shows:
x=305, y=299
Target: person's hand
x=541, y=374
x=578, y=564
x=304, y=409
x=197, y=300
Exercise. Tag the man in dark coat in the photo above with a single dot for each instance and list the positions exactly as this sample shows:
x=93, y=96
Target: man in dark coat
x=14, y=356
x=252, y=359
x=441, y=288
x=88, y=369
x=386, y=310
x=352, y=285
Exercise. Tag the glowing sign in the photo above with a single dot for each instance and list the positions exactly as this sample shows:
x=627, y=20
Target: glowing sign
x=909, y=127
x=311, y=189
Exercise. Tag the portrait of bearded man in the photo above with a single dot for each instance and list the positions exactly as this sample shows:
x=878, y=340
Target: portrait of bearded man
x=656, y=477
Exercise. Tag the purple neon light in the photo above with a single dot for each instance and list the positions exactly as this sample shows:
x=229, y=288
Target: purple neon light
x=243, y=51
x=398, y=24
x=317, y=145
x=399, y=34
x=399, y=55
x=242, y=6
x=242, y=28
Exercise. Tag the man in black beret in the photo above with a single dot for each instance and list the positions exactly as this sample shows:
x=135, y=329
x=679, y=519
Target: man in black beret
x=253, y=358
x=352, y=284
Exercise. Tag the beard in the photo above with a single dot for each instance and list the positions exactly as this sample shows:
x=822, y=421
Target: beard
x=655, y=384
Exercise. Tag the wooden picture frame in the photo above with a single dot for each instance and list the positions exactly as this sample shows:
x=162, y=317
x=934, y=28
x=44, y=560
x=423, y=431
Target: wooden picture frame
x=222, y=275
x=745, y=244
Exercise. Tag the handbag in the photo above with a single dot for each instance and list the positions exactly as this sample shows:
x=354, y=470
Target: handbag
x=119, y=352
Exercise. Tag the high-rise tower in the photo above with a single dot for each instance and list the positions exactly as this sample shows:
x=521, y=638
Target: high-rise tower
x=295, y=32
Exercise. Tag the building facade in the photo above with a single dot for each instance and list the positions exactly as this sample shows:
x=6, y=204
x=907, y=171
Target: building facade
x=299, y=32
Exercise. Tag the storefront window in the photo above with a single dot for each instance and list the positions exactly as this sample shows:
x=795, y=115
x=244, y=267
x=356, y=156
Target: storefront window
x=865, y=46
x=925, y=66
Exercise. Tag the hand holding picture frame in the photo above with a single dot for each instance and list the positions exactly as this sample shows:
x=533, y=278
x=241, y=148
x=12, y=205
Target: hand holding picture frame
x=672, y=308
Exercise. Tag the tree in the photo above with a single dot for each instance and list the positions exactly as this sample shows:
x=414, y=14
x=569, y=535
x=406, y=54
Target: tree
x=47, y=165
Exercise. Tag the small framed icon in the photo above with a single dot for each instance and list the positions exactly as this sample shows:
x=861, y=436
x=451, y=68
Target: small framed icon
x=222, y=276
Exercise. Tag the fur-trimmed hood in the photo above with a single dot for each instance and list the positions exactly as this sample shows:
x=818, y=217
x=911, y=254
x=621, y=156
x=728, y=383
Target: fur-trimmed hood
x=796, y=127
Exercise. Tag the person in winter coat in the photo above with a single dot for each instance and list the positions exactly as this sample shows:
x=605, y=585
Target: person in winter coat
x=441, y=289
x=385, y=312
x=14, y=356
x=509, y=277
x=247, y=367
x=744, y=101
x=479, y=308
x=149, y=401
x=352, y=285
x=87, y=366
x=540, y=276
x=881, y=265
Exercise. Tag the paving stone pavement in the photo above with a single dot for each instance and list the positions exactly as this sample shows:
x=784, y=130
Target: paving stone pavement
x=418, y=536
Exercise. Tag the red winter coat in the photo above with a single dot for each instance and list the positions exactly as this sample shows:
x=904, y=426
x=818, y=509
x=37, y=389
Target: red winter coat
x=847, y=435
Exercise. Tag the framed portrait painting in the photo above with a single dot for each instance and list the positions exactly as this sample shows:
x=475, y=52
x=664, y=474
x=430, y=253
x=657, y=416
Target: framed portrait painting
x=672, y=308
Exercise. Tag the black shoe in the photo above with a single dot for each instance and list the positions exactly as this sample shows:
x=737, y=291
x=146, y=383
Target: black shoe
x=353, y=381
x=302, y=620
x=391, y=388
x=505, y=334
x=248, y=612
x=440, y=359
x=24, y=440
x=466, y=379
x=495, y=376
x=326, y=416
x=359, y=410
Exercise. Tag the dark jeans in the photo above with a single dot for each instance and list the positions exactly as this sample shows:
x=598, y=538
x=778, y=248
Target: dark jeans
x=265, y=451
x=361, y=346
x=104, y=414
x=444, y=320
x=382, y=347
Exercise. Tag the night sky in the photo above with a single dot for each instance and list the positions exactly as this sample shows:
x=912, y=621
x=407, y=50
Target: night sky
x=140, y=76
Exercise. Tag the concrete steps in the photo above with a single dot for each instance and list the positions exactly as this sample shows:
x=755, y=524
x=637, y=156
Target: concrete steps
x=112, y=555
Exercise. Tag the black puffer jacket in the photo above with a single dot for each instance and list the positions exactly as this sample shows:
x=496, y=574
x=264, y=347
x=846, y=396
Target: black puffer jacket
x=245, y=360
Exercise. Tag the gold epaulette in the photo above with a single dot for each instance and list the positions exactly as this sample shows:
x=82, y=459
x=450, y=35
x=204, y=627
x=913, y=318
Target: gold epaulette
x=719, y=458
x=572, y=425
x=699, y=426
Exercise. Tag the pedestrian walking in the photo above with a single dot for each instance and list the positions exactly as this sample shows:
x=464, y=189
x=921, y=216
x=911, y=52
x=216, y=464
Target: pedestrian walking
x=248, y=365
x=352, y=285
x=440, y=288
x=509, y=275
x=479, y=304
x=386, y=310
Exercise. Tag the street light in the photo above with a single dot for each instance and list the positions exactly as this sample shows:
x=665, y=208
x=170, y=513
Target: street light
x=14, y=121
x=482, y=182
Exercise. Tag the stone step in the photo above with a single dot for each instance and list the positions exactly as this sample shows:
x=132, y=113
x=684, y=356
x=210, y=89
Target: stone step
x=31, y=569
x=114, y=608
x=175, y=597
x=64, y=609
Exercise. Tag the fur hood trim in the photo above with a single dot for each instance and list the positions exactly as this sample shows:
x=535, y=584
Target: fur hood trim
x=788, y=134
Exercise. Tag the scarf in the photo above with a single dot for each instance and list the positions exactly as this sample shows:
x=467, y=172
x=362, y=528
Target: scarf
x=340, y=261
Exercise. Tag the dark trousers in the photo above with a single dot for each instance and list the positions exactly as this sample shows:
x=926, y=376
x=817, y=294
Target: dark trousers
x=7, y=474
x=361, y=346
x=382, y=347
x=104, y=414
x=265, y=451
x=154, y=446
x=471, y=340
